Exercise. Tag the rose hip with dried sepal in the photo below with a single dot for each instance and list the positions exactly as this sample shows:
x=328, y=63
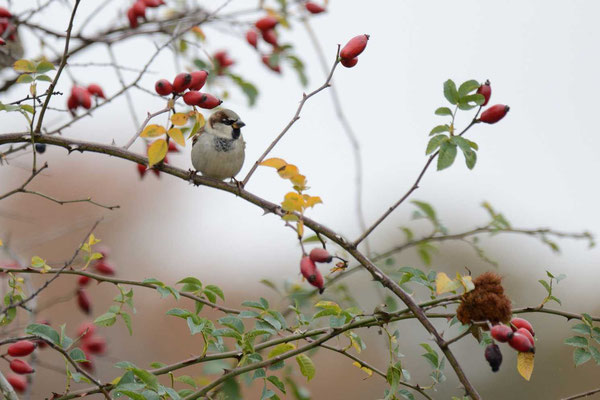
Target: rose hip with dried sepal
x=521, y=343
x=21, y=367
x=209, y=101
x=252, y=38
x=222, y=57
x=104, y=267
x=163, y=87
x=501, y=333
x=266, y=23
x=21, y=348
x=182, y=82
x=494, y=114
x=193, y=98
x=314, y=8
x=18, y=383
x=95, y=90
x=309, y=270
x=522, y=323
x=319, y=254
x=486, y=91
x=354, y=47
x=198, y=79
x=349, y=63
x=493, y=356
x=95, y=345
x=528, y=334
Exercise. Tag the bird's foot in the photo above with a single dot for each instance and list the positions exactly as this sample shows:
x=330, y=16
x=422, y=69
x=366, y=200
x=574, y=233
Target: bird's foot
x=239, y=184
x=191, y=175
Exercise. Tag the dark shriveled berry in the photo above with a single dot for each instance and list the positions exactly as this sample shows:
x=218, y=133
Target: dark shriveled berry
x=493, y=356
x=40, y=148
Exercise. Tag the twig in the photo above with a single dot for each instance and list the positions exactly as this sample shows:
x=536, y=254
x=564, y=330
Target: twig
x=6, y=389
x=62, y=202
x=296, y=117
x=580, y=395
x=141, y=129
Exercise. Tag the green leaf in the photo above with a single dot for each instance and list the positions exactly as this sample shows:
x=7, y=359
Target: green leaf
x=555, y=299
x=577, y=341
x=127, y=320
x=149, y=379
x=44, y=331
x=187, y=380
x=227, y=332
x=106, y=319
x=446, y=156
x=191, y=280
x=307, y=367
x=24, y=78
x=450, y=92
x=581, y=356
x=248, y=314
x=280, y=349
x=77, y=377
x=434, y=143
x=43, y=67
x=77, y=355
x=277, y=382
x=216, y=290
x=254, y=304
x=178, y=312
x=595, y=354
x=465, y=146
x=131, y=394
x=153, y=281
x=232, y=322
x=298, y=66
x=196, y=327
x=443, y=111
x=426, y=208
x=439, y=129
x=27, y=108
x=467, y=87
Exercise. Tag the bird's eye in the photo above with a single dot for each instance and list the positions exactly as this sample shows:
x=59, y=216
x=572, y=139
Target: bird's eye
x=228, y=122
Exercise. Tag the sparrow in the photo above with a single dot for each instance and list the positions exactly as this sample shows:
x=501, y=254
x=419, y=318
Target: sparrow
x=218, y=150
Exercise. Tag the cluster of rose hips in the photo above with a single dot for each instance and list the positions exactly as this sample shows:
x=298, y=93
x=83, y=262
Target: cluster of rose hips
x=309, y=269
x=82, y=96
x=266, y=27
x=519, y=335
x=494, y=113
x=222, y=61
x=22, y=348
x=8, y=30
x=138, y=10
x=103, y=267
x=193, y=82
x=91, y=344
x=142, y=168
x=349, y=53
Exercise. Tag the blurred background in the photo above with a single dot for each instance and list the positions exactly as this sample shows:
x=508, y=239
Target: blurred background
x=538, y=167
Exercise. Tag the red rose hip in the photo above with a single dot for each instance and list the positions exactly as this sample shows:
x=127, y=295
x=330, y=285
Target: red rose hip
x=133, y=22
x=104, y=267
x=252, y=38
x=309, y=270
x=193, y=98
x=21, y=367
x=349, y=63
x=198, y=79
x=522, y=323
x=320, y=255
x=314, y=8
x=96, y=90
x=494, y=114
x=267, y=61
x=19, y=383
x=521, y=343
x=4, y=13
x=266, y=23
x=354, y=47
x=501, y=333
x=163, y=87
x=95, y=345
x=486, y=91
x=270, y=37
x=21, y=348
x=526, y=333
x=86, y=330
x=181, y=82
x=209, y=101
x=83, y=301
x=139, y=9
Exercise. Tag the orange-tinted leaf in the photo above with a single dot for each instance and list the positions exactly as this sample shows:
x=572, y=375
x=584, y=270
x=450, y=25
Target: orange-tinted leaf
x=311, y=201
x=153, y=131
x=199, y=32
x=292, y=202
x=288, y=171
x=276, y=163
x=368, y=371
x=299, y=180
x=525, y=364
x=179, y=119
x=177, y=136
x=157, y=151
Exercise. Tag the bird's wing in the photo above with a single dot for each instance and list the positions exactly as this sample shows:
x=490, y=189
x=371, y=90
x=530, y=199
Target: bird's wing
x=197, y=135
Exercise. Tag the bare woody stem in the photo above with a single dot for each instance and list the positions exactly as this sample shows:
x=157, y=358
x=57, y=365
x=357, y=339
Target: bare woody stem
x=296, y=117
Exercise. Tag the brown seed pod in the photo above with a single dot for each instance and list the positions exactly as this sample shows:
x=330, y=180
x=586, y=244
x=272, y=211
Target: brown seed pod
x=486, y=302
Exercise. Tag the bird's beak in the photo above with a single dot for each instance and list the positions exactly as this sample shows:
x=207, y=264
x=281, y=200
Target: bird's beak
x=238, y=124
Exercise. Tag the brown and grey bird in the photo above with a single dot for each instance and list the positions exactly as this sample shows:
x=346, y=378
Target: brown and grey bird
x=218, y=151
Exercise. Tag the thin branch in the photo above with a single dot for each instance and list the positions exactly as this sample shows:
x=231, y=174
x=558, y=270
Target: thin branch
x=296, y=117
x=6, y=389
x=580, y=395
x=141, y=129
x=62, y=202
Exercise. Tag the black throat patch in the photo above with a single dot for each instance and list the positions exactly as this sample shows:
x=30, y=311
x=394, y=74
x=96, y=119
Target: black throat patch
x=222, y=144
x=236, y=133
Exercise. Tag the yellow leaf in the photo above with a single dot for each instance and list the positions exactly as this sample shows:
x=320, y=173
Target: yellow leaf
x=289, y=217
x=179, y=119
x=299, y=180
x=116, y=380
x=300, y=229
x=359, y=365
x=466, y=282
x=153, y=131
x=276, y=163
x=198, y=32
x=157, y=151
x=311, y=201
x=288, y=171
x=200, y=119
x=177, y=136
x=444, y=284
x=292, y=202
x=525, y=364
x=1, y=244
x=24, y=66
x=93, y=240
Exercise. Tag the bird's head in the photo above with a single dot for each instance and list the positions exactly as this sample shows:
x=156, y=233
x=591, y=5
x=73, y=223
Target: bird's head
x=225, y=123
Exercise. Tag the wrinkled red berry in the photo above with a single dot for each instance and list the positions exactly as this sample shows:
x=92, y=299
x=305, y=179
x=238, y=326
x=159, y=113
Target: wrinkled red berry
x=494, y=114
x=198, y=79
x=181, y=82
x=354, y=47
x=349, y=63
x=104, y=267
x=270, y=37
x=501, y=333
x=319, y=254
x=95, y=345
x=95, y=90
x=267, y=61
x=209, y=101
x=266, y=23
x=19, y=383
x=133, y=22
x=163, y=87
x=521, y=343
x=86, y=330
x=314, y=8
x=83, y=301
x=493, y=356
x=21, y=348
x=252, y=38
x=522, y=323
x=486, y=91
x=193, y=98
x=21, y=367
x=309, y=270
